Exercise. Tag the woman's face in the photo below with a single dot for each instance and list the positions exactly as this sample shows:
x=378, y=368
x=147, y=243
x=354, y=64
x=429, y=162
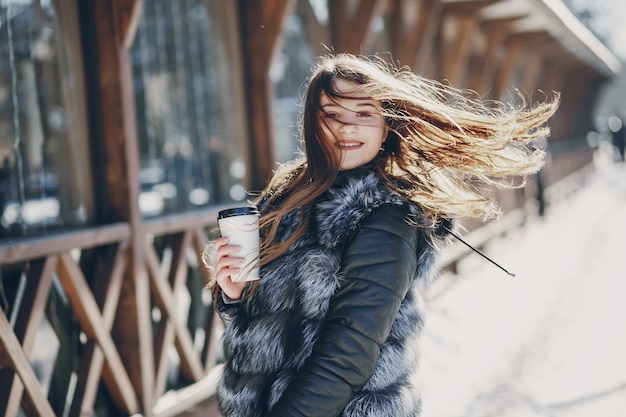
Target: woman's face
x=353, y=125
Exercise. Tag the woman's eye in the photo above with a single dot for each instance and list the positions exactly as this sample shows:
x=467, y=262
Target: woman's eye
x=364, y=114
x=331, y=115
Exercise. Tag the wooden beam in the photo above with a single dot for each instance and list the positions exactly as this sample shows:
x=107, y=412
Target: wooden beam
x=365, y=16
x=548, y=46
x=31, y=309
x=92, y=324
x=107, y=289
x=120, y=171
x=533, y=63
x=274, y=16
x=483, y=71
x=262, y=24
x=409, y=26
x=530, y=39
x=13, y=357
x=163, y=296
x=495, y=31
x=38, y=247
x=166, y=333
x=316, y=32
x=349, y=30
x=30, y=312
x=179, y=222
x=466, y=7
x=507, y=68
x=337, y=20
x=514, y=47
x=502, y=24
x=433, y=13
x=179, y=402
x=456, y=58
x=534, y=59
x=128, y=13
x=506, y=49
x=117, y=123
x=134, y=327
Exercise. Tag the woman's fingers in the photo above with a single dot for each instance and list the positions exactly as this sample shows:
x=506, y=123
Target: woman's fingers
x=224, y=252
x=227, y=266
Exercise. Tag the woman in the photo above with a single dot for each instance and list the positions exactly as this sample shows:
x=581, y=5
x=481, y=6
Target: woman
x=350, y=236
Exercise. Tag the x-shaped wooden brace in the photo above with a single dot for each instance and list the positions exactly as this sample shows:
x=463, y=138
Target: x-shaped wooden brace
x=16, y=343
x=96, y=324
x=170, y=330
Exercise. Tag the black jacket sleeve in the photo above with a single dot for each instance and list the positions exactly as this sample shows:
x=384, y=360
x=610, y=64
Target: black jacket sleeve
x=378, y=267
x=228, y=308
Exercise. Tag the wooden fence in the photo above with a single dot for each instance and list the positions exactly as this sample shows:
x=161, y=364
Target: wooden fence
x=181, y=360
x=87, y=271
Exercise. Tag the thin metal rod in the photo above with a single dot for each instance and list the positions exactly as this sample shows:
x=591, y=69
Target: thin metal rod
x=480, y=253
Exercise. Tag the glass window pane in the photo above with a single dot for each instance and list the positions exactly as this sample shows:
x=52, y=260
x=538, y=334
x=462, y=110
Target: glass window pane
x=190, y=123
x=44, y=157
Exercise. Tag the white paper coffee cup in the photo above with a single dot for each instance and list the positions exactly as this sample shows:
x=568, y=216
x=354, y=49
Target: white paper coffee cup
x=241, y=226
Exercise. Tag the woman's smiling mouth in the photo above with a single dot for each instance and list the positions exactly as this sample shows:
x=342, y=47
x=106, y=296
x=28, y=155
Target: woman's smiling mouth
x=349, y=144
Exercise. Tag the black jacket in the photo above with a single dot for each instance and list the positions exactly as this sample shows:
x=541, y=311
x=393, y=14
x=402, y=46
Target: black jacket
x=331, y=328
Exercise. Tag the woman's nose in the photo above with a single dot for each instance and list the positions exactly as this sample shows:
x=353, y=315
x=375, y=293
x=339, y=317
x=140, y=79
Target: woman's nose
x=347, y=126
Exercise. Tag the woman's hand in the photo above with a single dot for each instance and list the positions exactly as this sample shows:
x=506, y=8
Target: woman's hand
x=227, y=266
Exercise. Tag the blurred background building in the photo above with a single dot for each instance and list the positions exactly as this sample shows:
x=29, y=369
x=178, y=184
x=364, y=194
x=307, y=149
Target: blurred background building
x=126, y=125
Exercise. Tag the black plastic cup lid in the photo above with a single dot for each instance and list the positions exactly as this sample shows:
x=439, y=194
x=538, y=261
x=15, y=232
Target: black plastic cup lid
x=238, y=211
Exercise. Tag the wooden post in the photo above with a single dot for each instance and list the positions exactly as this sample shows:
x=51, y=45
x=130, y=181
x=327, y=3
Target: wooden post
x=483, y=74
x=115, y=22
x=349, y=30
x=456, y=58
x=412, y=24
x=262, y=24
x=433, y=14
x=317, y=33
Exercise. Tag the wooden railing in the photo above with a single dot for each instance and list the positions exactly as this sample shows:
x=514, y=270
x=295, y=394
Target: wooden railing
x=75, y=281
x=89, y=267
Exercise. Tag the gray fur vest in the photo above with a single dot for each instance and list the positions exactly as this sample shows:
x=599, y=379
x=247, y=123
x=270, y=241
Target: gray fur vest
x=268, y=337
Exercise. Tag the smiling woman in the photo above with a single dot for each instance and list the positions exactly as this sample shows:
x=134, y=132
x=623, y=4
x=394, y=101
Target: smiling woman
x=350, y=236
x=354, y=124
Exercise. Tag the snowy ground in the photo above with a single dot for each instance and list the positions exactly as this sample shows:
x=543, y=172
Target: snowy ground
x=550, y=342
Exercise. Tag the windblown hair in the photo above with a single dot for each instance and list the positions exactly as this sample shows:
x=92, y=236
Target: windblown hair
x=443, y=147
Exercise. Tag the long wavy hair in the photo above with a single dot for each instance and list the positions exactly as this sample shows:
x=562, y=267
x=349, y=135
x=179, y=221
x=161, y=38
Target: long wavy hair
x=445, y=147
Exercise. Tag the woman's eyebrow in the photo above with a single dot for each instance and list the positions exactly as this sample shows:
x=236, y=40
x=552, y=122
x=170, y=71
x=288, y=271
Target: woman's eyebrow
x=359, y=104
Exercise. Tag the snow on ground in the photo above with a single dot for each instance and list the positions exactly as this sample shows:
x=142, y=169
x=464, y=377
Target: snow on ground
x=549, y=342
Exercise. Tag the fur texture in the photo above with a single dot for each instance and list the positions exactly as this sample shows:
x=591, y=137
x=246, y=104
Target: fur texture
x=268, y=337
